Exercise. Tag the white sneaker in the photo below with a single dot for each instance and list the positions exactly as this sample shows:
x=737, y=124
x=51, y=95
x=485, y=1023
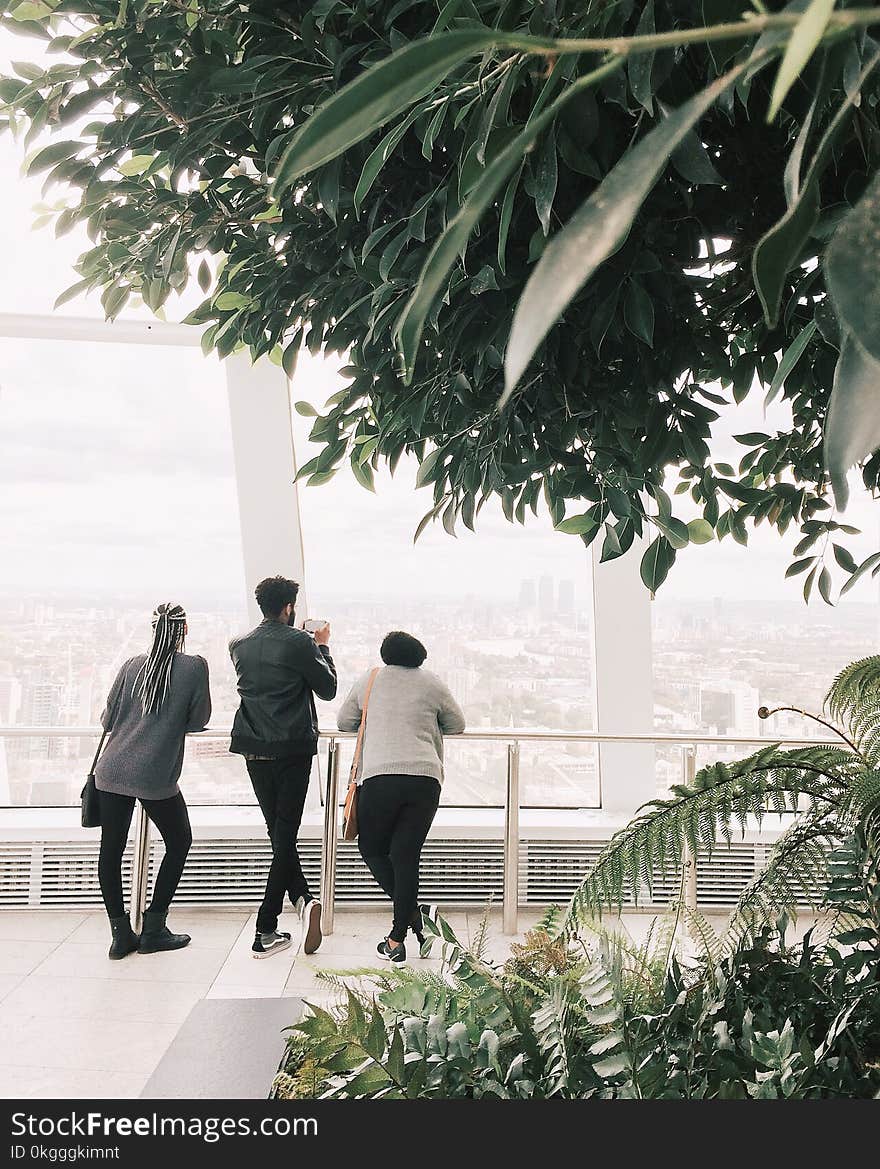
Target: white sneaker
x=310, y=915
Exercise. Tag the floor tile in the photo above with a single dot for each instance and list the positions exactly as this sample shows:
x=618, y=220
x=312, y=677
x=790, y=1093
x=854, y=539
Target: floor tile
x=240, y=968
x=21, y=957
x=8, y=982
x=85, y=998
x=114, y=1045
x=89, y=960
x=231, y=991
x=209, y=930
x=38, y=925
x=30, y=1083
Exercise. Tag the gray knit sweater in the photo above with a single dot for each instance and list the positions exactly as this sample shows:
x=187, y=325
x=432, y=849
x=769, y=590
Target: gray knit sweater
x=409, y=713
x=143, y=754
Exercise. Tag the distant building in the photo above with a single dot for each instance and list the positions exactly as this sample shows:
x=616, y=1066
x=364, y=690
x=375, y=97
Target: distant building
x=730, y=708
x=528, y=598
x=41, y=707
x=10, y=699
x=547, y=596
x=566, y=598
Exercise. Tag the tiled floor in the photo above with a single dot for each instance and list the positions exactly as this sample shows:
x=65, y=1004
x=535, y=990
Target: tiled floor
x=75, y=1025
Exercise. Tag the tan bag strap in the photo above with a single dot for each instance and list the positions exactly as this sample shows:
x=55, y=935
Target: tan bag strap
x=359, y=745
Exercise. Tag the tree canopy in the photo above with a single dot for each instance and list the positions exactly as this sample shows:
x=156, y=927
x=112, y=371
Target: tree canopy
x=556, y=241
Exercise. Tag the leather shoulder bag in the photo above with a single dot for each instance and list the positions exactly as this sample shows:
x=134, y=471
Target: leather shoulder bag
x=90, y=815
x=349, y=812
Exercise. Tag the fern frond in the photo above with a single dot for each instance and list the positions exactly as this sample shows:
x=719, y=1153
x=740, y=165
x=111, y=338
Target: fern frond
x=551, y=1026
x=722, y=794
x=702, y=932
x=796, y=872
x=550, y=923
x=854, y=700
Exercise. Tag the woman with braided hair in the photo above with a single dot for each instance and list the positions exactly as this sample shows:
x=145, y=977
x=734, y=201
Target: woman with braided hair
x=155, y=700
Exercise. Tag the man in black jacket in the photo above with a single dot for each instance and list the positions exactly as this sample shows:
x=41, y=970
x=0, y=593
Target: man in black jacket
x=279, y=670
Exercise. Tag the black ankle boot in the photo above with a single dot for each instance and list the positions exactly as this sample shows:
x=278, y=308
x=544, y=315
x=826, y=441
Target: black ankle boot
x=156, y=936
x=125, y=940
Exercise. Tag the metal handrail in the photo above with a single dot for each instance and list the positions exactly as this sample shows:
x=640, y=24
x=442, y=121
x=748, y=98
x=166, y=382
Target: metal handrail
x=504, y=735
x=512, y=736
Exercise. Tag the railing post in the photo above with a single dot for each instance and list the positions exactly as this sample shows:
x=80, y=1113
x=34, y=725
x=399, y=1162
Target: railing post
x=510, y=905
x=328, y=851
x=689, y=771
x=140, y=866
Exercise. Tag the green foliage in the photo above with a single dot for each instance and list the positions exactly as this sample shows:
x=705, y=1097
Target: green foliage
x=577, y=1018
x=581, y=1010
x=385, y=181
x=832, y=795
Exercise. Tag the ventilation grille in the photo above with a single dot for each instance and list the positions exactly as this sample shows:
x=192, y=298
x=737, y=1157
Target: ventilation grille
x=16, y=861
x=453, y=872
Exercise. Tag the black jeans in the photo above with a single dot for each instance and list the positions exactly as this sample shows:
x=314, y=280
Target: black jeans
x=280, y=786
x=395, y=813
x=171, y=818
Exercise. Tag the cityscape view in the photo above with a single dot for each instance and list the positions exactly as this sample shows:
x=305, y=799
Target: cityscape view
x=523, y=663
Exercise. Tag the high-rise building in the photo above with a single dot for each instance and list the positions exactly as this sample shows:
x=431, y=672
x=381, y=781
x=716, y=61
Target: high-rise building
x=547, y=596
x=10, y=699
x=527, y=596
x=566, y=598
x=41, y=707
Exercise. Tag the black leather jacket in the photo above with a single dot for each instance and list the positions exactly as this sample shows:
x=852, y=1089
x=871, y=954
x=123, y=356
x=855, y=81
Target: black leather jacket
x=279, y=671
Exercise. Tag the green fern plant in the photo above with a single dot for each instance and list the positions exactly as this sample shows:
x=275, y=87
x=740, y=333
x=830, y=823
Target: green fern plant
x=831, y=791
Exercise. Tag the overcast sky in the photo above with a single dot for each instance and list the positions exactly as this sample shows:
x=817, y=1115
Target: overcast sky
x=116, y=471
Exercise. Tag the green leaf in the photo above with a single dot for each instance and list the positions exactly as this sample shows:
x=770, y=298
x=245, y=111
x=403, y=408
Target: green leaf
x=378, y=158
x=852, y=427
x=203, y=275
x=306, y=409
x=799, y=566
x=844, y=558
x=374, y=97
x=611, y=546
x=615, y=1065
x=597, y=230
x=656, y=563
x=546, y=181
x=853, y=273
x=865, y=566
x=641, y=64
x=802, y=43
x=675, y=531
x=825, y=585
x=136, y=165
x=638, y=312
x=693, y=163
x=227, y=301
x=453, y=241
x=779, y=249
x=364, y=474
x=427, y=467
x=700, y=531
x=789, y=360
x=290, y=356
x=577, y=525
x=53, y=153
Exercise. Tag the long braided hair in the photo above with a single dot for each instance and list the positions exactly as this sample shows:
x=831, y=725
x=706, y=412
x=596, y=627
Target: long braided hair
x=169, y=633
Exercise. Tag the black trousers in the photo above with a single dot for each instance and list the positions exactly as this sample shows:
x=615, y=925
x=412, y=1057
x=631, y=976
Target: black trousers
x=395, y=813
x=280, y=786
x=171, y=818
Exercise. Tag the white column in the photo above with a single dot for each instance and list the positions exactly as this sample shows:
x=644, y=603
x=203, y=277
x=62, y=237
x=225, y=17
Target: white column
x=265, y=471
x=625, y=705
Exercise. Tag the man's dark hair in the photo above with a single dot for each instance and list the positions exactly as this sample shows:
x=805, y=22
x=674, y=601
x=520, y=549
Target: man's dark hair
x=402, y=649
x=274, y=593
